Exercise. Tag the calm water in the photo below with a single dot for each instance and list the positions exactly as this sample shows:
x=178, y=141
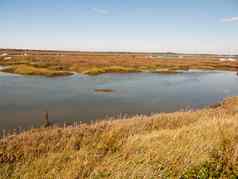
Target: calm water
x=23, y=100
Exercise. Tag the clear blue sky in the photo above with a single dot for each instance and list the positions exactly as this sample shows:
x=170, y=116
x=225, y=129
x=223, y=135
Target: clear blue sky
x=200, y=26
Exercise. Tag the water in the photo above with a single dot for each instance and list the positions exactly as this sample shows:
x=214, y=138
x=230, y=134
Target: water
x=24, y=99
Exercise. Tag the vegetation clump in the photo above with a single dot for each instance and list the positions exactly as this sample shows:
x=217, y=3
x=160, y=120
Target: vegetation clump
x=111, y=69
x=31, y=70
x=166, y=71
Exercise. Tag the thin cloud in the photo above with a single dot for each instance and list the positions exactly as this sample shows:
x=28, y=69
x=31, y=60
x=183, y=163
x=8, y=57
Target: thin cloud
x=100, y=11
x=230, y=19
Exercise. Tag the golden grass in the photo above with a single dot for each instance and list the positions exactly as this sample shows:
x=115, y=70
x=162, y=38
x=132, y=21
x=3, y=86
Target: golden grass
x=166, y=71
x=111, y=69
x=94, y=63
x=192, y=144
x=30, y=70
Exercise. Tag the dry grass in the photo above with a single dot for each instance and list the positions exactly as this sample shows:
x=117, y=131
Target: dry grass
x=111, y=69
x=30, y=70
x=193, y=144
x=94, y=63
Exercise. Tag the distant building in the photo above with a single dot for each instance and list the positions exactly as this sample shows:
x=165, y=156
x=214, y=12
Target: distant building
x=222, y=59
x=231, y=59
x=4, y=54
x=7, y=58
x=149, y=56
x=152, y=56
x=227, y=59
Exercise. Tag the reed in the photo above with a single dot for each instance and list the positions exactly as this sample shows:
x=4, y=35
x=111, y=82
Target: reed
x=186, y=144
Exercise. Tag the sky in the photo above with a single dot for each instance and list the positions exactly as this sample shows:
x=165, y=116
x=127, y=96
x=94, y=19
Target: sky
x=188, y=26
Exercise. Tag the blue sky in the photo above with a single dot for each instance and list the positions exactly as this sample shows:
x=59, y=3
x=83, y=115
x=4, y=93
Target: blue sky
x=190, y=26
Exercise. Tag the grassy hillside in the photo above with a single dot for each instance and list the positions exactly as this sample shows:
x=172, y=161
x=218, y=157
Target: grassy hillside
x=202, y=143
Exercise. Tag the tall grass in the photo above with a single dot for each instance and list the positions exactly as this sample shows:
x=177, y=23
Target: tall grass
x=192, y=144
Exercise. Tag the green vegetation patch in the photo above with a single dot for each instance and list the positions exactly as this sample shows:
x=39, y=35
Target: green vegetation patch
x=30, y=70
x=111, y=69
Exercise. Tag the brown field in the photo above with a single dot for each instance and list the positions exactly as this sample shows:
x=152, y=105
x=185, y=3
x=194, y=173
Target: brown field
x=193, y=144
x=93, y=63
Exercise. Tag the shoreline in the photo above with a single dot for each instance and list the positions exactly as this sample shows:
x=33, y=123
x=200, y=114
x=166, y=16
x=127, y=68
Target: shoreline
x=225, y=103
x=51, y=73
x=218, y=104
x=94, y=64
x=179, y=144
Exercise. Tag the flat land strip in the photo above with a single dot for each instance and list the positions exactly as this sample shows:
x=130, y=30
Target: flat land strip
x=57, y=63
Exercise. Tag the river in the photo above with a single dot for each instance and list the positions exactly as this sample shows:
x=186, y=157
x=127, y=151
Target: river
x=24, y=99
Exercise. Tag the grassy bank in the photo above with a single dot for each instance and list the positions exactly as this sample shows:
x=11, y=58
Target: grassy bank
x=31, y=70
x=202, y=143
x=111, y=69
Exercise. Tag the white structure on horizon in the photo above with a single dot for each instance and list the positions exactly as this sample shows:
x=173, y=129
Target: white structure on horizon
x=7, y=58
x=151, y=56
x=228, y=59
x=4, y=54
x=222, y=59
x=232, y=59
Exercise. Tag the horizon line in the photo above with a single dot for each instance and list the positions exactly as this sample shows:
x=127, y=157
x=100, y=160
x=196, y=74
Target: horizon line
x=119, y=51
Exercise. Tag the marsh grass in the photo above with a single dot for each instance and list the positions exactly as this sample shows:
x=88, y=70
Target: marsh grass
x=111, y=69
x=192, y=144
x=95, y=64
x=31, y=70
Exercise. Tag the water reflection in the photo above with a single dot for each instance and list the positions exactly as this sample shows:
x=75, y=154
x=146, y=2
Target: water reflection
x=23, y=100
